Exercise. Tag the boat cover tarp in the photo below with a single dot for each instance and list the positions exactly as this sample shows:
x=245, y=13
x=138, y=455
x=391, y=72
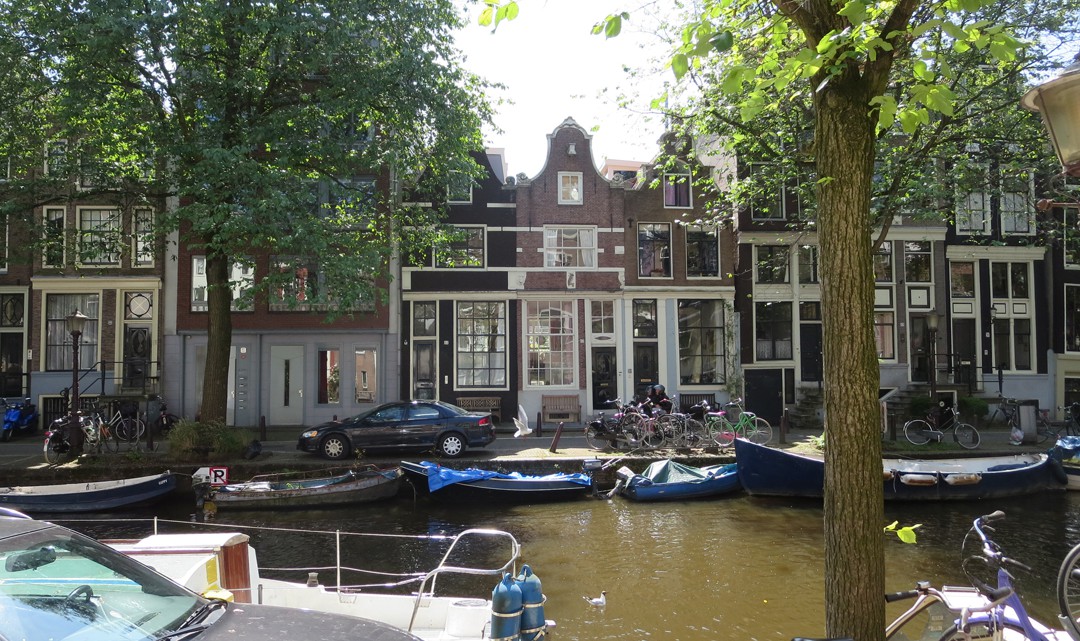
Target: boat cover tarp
x=295, y=484
x=439, y=476
x=669, y=471
x=1069, y=446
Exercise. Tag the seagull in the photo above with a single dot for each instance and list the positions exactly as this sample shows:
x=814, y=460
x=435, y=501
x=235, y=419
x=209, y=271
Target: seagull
x=522, y=423
x=599, y=601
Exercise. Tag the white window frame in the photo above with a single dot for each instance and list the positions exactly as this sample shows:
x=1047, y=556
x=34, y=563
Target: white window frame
x=660, y=260
x=568, y=182
x=1008, y=310
x=973, y=216
x=57, y=355
x=142, y=237
x=557, y=254
x=107, y=231
x=685, y=178
x=467, y=229
x=701, y=229
x=61, y=216
x=1026, y=212
x=61, y=144
x=537, y=336
x=242, y=277
x=464, y=348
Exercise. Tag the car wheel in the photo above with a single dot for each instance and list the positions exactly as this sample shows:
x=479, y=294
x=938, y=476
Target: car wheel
x=451, y=445
x=334, y=447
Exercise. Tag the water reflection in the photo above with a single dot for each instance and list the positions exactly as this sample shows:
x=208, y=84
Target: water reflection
x=737, y=568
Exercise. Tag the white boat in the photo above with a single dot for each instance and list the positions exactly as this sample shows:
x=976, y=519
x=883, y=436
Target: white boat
x=223, y=563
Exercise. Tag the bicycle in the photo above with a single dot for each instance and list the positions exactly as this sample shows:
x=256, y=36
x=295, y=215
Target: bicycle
x=984, y=612
x=121, y=427
x=165, y=421
x=96, y=437
x=919, y=431
x=720, y=429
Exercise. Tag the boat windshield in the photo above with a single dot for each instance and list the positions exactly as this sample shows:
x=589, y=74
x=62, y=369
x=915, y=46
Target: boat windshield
x=56, y=584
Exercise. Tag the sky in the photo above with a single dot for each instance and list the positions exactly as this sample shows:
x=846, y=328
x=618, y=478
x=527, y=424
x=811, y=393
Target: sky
x=555, y=69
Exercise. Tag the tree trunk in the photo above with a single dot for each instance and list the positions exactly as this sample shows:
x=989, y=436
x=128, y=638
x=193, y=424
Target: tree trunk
x=218, y=339
x=854, y=510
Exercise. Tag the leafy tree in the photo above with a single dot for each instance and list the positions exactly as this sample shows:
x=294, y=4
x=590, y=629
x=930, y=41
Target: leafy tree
x=264, y=120
x=859, y=73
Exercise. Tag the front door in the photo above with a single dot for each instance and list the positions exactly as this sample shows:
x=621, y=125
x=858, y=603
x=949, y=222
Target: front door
x=604, y=374
x=286, y=385
x=646, y=368
x=136, y=355
x=423, y=371
x=810, y=351
x=765, y=394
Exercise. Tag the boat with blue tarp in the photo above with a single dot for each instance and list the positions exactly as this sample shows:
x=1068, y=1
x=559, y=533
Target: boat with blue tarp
x=669, y=480
x=473, y=483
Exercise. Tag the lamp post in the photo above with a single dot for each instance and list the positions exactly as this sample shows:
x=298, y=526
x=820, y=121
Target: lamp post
x=932, y=320
x=75, y=324
x=1058, y=101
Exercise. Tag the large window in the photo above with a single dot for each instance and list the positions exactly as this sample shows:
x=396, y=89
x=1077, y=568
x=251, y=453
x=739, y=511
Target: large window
x=677, y=192
x=142, y=221
x=1012, y=323
x=918, y=263
x=481, y=344
x=303, y=287
x=772, y=331
x=550, y=339
x=242, y=278
x=883, y=263
x=772, y=264
x=366, y=378
x=465, y=250
x=569, y=247
x=99, y=236
x=58, y=347
x=654, y=250
x=702, y=252
x=701, y=342
x=570, y=188
x=329, y=372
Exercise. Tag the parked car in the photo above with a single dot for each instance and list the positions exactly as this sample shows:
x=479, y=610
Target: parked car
x=403, y=425
x=58, y=584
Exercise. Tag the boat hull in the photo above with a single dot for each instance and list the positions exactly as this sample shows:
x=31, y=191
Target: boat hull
x=714, y=481
x=496, y=488
x=767, y=471
x=97, y=496
x=360, y=487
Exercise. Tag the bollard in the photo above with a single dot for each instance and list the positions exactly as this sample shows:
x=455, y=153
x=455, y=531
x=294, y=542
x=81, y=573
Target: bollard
x=555, y=441
x=539, y=423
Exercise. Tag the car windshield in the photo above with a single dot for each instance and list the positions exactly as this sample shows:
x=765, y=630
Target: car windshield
x=56, y=584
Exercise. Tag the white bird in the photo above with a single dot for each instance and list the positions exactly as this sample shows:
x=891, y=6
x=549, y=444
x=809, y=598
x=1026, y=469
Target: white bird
x=599, y=601
x=522, y=423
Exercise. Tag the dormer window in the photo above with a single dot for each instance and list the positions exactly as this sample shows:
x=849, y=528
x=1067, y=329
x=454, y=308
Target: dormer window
x=570, y=188
x=677, y=190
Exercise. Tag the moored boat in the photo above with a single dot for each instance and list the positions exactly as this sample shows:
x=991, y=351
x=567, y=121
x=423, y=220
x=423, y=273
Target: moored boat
x=669, y=480
x=304, y=489
x=472, y=483
x=772, y=471
x=1067, y=450
x=93, y=496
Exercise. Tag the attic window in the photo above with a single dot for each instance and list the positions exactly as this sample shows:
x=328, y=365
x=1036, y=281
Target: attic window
x=570, y=188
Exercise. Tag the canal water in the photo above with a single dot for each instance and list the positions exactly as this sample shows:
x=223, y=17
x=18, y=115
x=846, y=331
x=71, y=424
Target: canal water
x=739, y=568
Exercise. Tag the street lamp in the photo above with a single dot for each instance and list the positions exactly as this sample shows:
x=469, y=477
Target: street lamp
x=75, y=324
x=932, y=320
x=1058, y=101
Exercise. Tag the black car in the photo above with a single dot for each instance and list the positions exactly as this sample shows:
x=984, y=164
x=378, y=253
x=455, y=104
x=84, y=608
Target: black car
x=405, y=425
x=58, y=584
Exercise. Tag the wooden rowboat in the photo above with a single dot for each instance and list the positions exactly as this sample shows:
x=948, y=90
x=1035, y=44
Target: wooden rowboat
x=95, y=496
x=328, y=487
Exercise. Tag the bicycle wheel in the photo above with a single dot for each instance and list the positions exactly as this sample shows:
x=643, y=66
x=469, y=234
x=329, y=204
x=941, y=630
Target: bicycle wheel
x=652, y=434
x=593, y=438
x=1068, y=591
x=759, y=431
x=55, y=448
x=917, y=431
x=723, y=433
x=695, y=433
x=981, y=631
x=966, y=435
x=108, y=437
x=1043, y=432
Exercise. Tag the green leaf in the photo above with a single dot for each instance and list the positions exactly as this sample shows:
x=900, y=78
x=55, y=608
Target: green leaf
x=679, y=65
x=854, y=11
x=722, y=41
x=511, y=10
x=907, y=534
x=485, y=16
x=613, y=26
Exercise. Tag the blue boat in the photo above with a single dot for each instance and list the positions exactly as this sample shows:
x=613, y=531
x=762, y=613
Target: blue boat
x=486, y=485
x=93, y=496
x=669, y=480
x=769, y=471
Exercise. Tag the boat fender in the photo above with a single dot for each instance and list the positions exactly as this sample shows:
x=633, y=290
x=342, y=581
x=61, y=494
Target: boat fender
x=918, y=479
x=889, y=475
x=532, y=603
x=505, y=611
x=969, y=478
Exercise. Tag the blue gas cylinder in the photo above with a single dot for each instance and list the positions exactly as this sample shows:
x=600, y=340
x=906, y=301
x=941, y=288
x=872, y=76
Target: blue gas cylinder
x=532, y=601
x=505, y=610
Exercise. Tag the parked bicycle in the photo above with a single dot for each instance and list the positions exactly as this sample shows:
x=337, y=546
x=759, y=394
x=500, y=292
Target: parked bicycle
x=732, y=422
x=165, y=421
x=982, y=612
x=919, y=431
x=96, y=438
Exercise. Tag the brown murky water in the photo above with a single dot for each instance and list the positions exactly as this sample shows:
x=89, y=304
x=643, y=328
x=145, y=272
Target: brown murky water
x=737, y=568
